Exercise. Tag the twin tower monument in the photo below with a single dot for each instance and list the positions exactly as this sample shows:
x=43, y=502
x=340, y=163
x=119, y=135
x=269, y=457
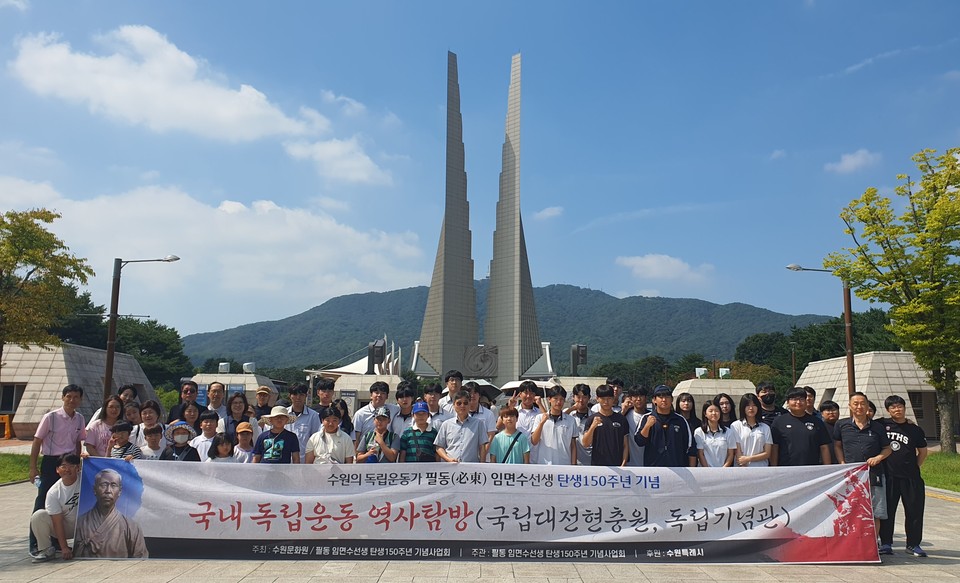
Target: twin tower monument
x=449, y=338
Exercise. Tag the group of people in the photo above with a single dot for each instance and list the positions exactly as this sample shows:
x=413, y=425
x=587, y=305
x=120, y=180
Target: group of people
x=451, y=423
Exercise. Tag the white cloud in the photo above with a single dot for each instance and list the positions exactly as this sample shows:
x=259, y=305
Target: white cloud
x=350, y=107
x=20, y=5
x=332, y=204
x=953, y=75
x=778, y=154
x=340, y=160
x=19, y=154
x=551, y=212
x=318, y=122
x=647, y=213
x=147, y=81
x=655, y=266
x=240, y=262
x=853, y=162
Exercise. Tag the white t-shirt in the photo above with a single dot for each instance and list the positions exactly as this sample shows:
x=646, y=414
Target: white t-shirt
x=63, y=499
x=752, y=440
x=202, y=445
x=152, y=454
x=715, y=445
x=331, y=448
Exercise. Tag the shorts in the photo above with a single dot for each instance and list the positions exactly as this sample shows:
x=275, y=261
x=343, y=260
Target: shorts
x=878, y=495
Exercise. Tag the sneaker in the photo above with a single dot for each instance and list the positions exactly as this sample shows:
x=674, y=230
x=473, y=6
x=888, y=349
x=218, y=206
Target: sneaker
x=45, y=555
x=916, y=551
x=885, y=550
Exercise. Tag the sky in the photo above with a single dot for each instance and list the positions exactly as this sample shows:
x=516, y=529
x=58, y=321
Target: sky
x=292, y=152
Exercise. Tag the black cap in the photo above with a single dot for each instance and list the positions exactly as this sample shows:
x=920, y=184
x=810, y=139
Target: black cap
x=662, y=390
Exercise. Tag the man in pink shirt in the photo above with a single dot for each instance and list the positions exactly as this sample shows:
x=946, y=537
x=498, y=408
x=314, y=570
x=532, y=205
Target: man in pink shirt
x=60, y=432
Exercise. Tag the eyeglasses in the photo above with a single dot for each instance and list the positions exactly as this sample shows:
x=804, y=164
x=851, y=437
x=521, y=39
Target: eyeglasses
x=188, y=391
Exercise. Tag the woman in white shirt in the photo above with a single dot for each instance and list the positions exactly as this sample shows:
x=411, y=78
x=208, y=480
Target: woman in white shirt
x=716, y=445
x=754, y=440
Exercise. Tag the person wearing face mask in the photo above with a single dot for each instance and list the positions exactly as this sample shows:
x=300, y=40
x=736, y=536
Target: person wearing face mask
x=178, y=436
x=769, y=410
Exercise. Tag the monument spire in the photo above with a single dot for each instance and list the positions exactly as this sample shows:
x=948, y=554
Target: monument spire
x=511, y=323
x=450, y=320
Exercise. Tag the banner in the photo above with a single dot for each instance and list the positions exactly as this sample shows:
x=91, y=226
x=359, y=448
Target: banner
x=423, y=511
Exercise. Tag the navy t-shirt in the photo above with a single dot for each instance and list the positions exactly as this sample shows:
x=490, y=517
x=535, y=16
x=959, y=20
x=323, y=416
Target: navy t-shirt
x=276, y=448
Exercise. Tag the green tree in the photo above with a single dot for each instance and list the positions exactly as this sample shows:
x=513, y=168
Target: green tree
x=85, y=324
x=910, y=262
x=686, y=367
x=36, y=273
x=158, y=349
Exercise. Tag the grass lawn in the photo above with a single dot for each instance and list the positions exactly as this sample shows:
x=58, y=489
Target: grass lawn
x=942, y=471
x=13, y=467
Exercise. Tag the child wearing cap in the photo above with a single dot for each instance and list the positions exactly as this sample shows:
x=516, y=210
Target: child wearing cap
x=278, y=445
x=416, y=443
x=380, y=444
x=243, y=450
x=178, y=435
x=123, y=448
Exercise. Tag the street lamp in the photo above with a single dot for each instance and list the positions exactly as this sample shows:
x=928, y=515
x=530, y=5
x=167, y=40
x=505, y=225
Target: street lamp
x=112, y=326
x=847, y=324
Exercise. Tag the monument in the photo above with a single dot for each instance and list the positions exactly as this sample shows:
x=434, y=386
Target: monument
x=448, y=338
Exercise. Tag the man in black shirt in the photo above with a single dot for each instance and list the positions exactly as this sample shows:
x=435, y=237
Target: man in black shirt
x=665, y=435
x=769, y=410
x=799, y=439
x=607, y=432
x=909, y=450
x=860, y=439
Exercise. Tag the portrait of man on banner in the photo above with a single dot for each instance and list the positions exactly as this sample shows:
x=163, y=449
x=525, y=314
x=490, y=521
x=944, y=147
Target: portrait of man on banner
x=109, y=499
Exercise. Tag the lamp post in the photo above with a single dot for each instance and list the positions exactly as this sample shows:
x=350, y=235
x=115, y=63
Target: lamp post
x=847, y=324
x=118, y=264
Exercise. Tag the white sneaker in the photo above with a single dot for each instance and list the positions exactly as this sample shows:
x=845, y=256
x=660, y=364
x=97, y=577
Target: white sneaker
x=44, y=555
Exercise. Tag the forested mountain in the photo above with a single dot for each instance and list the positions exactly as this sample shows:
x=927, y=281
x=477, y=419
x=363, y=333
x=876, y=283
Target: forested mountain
x=612, y=328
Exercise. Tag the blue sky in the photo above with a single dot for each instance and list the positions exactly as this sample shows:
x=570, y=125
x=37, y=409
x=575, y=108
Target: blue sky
x=292, y=152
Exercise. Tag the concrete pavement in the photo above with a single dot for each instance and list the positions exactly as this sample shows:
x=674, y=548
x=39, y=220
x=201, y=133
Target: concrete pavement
x=940, y=540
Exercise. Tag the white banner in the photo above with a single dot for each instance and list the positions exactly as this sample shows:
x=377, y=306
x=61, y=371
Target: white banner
x=499, y=512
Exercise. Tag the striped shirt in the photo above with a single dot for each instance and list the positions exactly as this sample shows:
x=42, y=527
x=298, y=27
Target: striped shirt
x=419, y=445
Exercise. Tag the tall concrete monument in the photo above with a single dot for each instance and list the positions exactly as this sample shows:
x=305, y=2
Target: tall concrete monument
x=450, y=321
x=511, y=323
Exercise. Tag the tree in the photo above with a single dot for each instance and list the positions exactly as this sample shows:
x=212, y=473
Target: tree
x=158, y=349
x=911, y=262
x=85, y=324
x=36, y=270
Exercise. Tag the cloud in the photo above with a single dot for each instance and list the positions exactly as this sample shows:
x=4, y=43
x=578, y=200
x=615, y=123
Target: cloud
x=147, y=81
x=17, y=154
x=953, y=75
x=350, y=107
x=886, y=55
x=665, y=268
x=20, y=5
x=339, y=160
x=644, y=213
x=853, y=162
x=332, y=204
x=778, y=154
x=551, y=212
x=241, y=262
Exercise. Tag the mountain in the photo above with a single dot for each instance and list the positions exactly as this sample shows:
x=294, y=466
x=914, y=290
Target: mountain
x=614, y=329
